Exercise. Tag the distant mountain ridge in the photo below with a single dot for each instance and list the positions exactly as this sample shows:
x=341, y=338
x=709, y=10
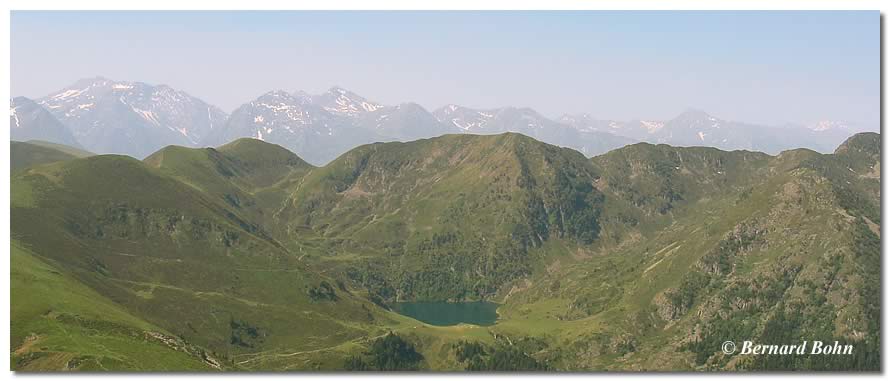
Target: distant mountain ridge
x=296, y=122
x=132, y=118
x=136, y=119
x=698, y=128
x=529, y=122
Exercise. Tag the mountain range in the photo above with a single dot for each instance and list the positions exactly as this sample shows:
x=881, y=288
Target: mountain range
x=136, y=119
x=247, y=256
x=698, y=128
x=131, y=118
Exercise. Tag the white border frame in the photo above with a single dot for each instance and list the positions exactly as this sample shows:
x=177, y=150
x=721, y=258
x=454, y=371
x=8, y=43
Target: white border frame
x=396, y=5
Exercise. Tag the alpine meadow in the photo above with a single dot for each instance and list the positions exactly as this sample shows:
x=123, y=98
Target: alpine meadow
x=151, y=231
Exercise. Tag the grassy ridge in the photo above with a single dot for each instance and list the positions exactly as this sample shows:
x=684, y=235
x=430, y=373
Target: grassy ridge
x=645, y=258
x=178, y=258
x=26, y=154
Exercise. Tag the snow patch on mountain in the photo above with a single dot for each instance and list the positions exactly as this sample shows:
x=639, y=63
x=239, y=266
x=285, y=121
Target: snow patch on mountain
x=69, y=93
x=652, y=126
x=465, y=119
x=826, y=125
x=96, y=110
x=15, y=116
x=148, y=115
x=344, y=102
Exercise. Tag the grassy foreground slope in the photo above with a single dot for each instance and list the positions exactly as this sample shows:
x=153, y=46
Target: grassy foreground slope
x=180, y=259
x=645, y=258
x=59, y=324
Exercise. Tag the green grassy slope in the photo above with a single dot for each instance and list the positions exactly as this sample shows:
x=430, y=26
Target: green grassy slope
x=248, y=164
x=180, y=259
x=645, y=258
x=247, y=175
x=57, y=324
x=74, y=151
x=454, y=217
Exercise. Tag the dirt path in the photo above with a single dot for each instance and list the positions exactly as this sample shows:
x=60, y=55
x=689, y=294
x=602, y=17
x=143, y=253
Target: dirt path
x=263, y=355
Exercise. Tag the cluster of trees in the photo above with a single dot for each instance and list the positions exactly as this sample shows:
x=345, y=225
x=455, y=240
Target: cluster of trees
x=789, y=327
x=500, y=357
x=462, y=266
x=566, y=205
x=243, y=334
x=576, y=207
x=379, y=288
x=388, y=353
x=323, y=292
x=394, y=353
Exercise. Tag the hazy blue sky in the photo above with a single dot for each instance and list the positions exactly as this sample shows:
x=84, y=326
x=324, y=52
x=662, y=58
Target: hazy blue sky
x=764, y=67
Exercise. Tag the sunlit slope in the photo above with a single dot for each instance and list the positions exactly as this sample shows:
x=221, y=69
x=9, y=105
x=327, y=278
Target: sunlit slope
x=648, y=257
x=26, y=154
x=247, y=175
x=59, y=324
x=792, y=255
x=180, y=258
x=454, y=217
x=72, y=150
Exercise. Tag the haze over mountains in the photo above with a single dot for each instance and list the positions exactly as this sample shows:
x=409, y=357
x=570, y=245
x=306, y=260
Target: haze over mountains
x=131, y=118
x=136, y=119
x=698, y=128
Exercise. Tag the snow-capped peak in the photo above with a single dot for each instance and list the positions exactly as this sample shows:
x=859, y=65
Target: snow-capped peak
x=277, y=94
x=825, y=125
x=576, y=119
x=652, y=126
x=463, y=118
x=338, y=100
x=91, y=103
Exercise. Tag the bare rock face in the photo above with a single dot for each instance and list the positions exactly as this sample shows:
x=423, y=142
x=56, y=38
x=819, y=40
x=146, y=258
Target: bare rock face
x=29, y=121
x=131, y=118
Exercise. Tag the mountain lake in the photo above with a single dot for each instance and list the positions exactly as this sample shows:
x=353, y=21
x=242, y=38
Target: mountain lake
x=450, y=313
